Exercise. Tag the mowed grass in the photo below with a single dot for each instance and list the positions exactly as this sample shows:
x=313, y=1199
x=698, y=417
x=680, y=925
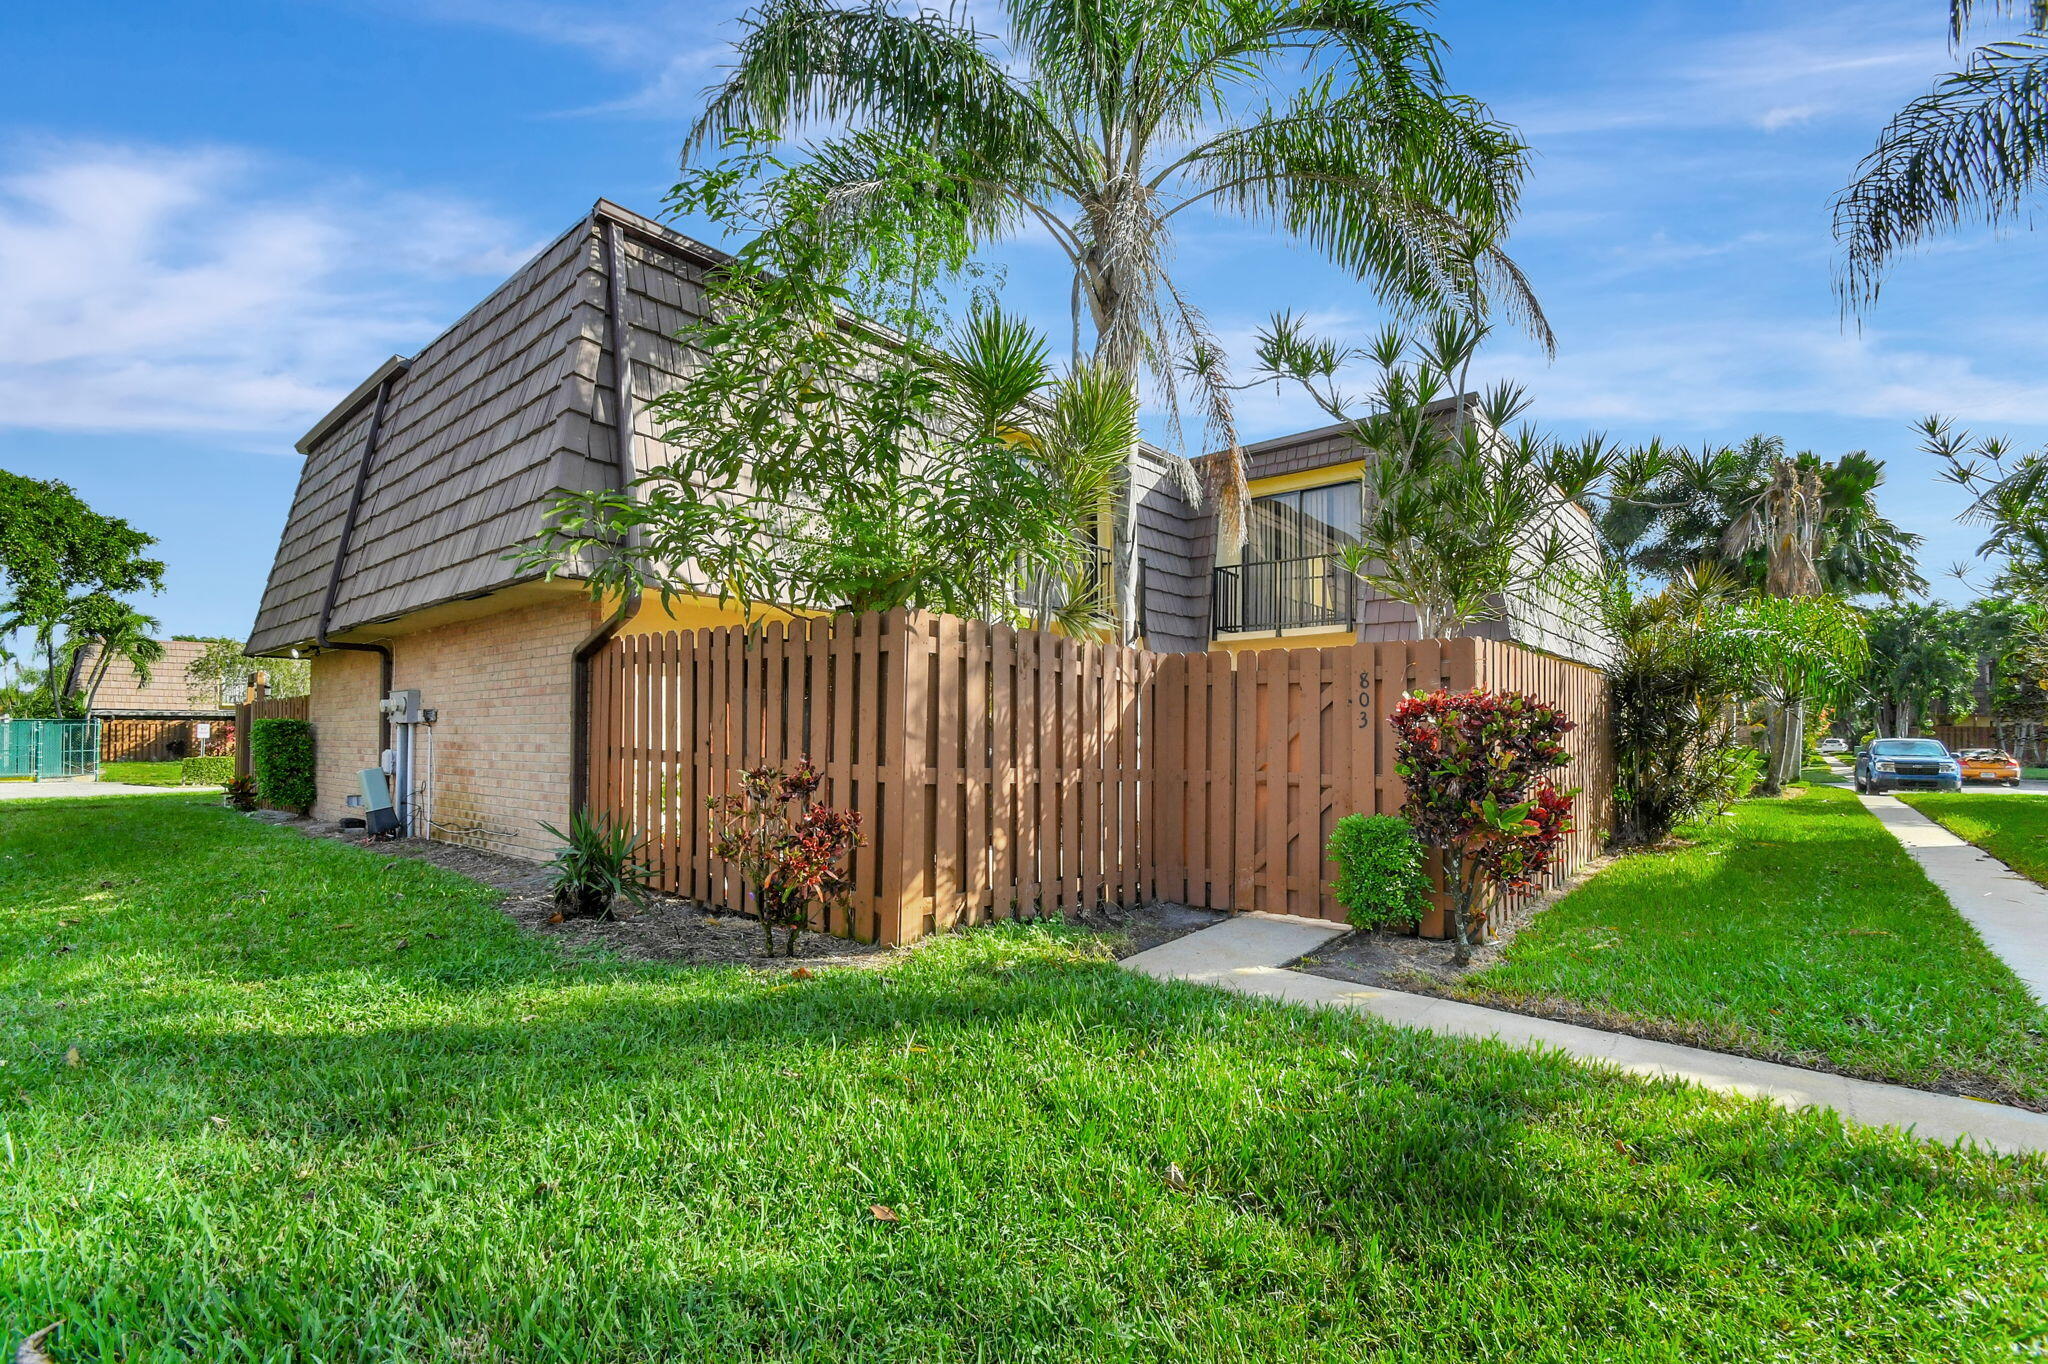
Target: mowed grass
x=143, y=774
x=2012, y=828
x=1797, y=930
x=332, y=1106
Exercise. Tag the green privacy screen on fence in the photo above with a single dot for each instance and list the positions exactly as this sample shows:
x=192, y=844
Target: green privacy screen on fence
x=44, y=750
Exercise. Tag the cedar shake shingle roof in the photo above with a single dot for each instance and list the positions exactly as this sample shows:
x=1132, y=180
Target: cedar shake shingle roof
x=482, y=427
x=166, y=693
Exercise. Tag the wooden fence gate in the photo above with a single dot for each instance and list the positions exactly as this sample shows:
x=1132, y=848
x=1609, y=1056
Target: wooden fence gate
x=1004, y=772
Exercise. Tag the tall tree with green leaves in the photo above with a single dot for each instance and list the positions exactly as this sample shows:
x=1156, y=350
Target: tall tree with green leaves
x=1975, y=146
x=1794, y=654
x=1099, y=123
x=2009, y=501
x=1736, y=506
x=222, y=668
x=56, y=552
x=1920, y=665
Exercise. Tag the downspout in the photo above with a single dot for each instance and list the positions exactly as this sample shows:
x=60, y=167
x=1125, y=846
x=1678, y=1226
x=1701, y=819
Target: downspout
x=348, y=533
x=614, y=253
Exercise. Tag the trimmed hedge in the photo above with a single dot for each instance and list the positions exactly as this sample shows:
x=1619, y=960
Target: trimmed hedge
x=281, y=757
x=1381, y=877
x=214, y=769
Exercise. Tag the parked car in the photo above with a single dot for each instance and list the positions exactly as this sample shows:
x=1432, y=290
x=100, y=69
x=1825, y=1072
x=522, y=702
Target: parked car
x=1989, y=764
x=1831, y=746
x=1922, y=764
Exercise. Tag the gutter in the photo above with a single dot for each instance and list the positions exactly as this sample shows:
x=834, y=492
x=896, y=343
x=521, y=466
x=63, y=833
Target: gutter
x=387, y=374
x=614, y=252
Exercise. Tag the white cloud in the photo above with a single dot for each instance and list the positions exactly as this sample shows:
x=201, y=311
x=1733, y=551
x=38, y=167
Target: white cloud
x=1854, y=60
x=1786, y=116
x=669, y=52
x=1719, y=372
x=195, y=289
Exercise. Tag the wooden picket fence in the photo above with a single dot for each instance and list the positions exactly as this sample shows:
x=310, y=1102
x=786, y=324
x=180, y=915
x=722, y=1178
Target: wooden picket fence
x=1016, y=773
x=258, y=704
x=995, y=770
x=1256, y=756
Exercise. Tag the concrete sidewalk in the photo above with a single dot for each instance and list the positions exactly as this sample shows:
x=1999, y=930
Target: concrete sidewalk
x=1247, y=953
x=71, y=790
x=2009, y=911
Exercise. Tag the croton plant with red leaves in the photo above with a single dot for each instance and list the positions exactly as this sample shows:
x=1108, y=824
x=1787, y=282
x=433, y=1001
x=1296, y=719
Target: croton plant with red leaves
x=791, y=852
x=1474, y=764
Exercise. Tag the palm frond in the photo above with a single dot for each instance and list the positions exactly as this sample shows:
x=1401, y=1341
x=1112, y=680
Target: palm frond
x=1961, y=13
x=1976, y=146
x=811, y=61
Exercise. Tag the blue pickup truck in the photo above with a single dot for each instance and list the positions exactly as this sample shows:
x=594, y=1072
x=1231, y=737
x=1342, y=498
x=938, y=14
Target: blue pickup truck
x=1918, y=764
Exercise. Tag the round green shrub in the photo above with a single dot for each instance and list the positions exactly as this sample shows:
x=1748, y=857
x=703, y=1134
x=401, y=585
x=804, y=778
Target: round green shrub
x=281, y=756
x=1381, y=876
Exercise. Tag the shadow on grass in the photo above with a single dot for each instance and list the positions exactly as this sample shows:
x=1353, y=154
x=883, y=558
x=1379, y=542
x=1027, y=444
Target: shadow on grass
x=483, y=1151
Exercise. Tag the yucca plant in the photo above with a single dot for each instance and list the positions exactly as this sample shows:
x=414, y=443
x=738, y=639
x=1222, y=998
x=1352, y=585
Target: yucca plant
x=598, y=863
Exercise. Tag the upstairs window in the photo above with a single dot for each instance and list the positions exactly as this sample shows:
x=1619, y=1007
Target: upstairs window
x=1304, y=523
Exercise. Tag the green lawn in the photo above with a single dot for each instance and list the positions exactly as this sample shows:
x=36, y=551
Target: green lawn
x=324, y=1105
x=1797, y=930
x=2013, y=829
x=2035, y=773
x=143, y=774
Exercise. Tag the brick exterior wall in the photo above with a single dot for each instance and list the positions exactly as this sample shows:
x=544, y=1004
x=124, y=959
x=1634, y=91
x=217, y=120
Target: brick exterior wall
x=347, y=733
x=500, y=747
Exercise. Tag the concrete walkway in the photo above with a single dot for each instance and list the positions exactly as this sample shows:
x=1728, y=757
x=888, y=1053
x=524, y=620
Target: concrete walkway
x=2009, y=911
x=67, y=790
x=1247, y=953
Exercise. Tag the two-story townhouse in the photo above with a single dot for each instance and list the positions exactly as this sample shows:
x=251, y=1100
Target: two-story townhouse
x=397, y=568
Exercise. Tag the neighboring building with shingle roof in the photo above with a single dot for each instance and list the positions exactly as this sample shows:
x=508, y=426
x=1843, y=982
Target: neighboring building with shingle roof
x=168, y=694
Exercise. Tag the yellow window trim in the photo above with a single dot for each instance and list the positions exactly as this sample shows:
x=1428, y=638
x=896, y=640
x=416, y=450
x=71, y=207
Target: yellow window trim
x=1322, y=476
x=1319, y=477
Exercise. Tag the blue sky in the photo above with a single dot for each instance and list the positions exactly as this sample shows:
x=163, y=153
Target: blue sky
x=215, y=219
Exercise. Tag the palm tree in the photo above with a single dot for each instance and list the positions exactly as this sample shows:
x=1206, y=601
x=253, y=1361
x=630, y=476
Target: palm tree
x=1099, y=122
x=1974, y=146
x=2009, y=494
x=117, y=630
x=1783, y=523
x=1920, y=665
x=1752, y=509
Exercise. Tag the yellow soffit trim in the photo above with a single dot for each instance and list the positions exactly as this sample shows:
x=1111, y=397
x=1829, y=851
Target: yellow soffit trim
x=1347, y=472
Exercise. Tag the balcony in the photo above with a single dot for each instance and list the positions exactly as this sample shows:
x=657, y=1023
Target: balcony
x=1314, y=593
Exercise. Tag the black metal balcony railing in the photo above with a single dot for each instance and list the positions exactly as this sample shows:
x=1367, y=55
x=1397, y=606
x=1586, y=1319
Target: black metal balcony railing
x=1284, y=594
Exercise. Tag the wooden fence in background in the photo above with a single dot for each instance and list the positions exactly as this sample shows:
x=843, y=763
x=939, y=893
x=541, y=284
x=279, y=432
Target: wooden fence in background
x=151, y=739
x=1006, y=772
x=258, y=704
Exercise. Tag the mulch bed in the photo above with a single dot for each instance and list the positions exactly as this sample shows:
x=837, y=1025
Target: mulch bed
x=674, y=929
x=1393, y=959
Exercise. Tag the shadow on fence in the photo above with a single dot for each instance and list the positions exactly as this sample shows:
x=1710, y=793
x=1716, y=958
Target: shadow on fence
x=1015, y=773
